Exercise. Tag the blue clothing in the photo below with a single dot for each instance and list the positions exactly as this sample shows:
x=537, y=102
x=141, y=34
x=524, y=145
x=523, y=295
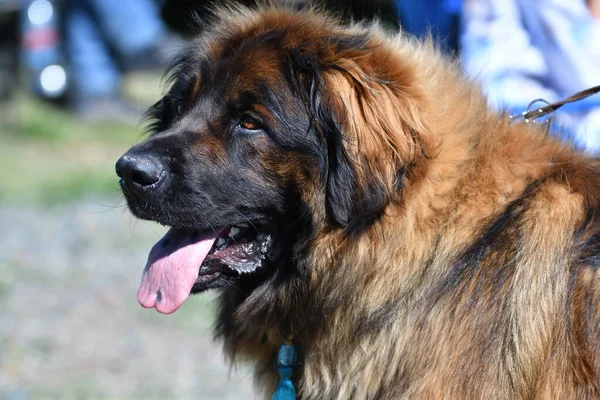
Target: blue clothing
x=96, y=29
x=521, y=50
x=436, y=17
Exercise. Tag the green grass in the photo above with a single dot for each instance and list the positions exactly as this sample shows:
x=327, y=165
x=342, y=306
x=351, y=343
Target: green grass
x=47, y=156
x=42, y=173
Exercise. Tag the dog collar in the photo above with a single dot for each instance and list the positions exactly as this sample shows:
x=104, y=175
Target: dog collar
x=286, y=359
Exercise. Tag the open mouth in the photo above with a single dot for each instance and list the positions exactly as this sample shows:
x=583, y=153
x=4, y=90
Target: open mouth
x=187, y=261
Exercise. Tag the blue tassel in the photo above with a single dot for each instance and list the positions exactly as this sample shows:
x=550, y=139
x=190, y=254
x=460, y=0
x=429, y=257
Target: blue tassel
x=285, y=388
x=285, y=361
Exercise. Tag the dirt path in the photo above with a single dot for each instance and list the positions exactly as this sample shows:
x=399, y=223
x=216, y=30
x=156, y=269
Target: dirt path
x=70, y=325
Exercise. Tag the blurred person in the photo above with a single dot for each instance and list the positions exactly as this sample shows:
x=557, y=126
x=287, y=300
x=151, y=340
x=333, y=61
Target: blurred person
x=42, y=53
x=523, y=50
x=102, y=38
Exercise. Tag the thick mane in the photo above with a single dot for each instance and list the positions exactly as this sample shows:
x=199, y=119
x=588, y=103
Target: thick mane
x=430, y=205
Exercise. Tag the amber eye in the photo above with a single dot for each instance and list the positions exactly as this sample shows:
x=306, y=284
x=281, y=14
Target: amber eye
x=247, y=122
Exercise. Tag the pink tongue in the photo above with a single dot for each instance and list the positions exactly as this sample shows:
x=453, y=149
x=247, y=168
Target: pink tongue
x=172, y=269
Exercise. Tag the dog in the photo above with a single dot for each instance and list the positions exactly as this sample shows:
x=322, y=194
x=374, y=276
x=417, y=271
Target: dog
x=349, y=191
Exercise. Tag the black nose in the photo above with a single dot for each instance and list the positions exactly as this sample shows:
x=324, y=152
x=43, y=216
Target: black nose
x=139, y=170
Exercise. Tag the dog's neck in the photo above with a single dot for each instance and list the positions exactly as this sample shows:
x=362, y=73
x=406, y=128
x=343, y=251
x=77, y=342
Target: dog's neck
x=438, y=196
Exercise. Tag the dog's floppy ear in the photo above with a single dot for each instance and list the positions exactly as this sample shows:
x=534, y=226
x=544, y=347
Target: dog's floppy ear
x=340, y=175
x=337, y=172
x=359, y=113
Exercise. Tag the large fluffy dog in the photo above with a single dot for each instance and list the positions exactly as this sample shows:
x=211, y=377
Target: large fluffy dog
x=351, y=191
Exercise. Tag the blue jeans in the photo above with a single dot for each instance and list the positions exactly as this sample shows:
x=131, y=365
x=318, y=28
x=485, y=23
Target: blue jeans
x=96, y=30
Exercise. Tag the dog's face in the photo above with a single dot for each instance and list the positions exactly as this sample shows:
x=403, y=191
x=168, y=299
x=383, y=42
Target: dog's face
x=249, y=153
x=234, y=148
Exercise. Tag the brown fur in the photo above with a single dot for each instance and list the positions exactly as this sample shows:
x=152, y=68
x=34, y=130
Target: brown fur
x=479, y=279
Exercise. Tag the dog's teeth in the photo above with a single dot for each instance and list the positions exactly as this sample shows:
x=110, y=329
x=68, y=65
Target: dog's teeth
x=221, y=242
x=233, y=231
x=243, y=226
x=244, y=270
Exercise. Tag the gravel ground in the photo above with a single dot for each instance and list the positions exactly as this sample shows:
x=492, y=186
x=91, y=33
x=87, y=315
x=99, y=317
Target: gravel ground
x=70, y=324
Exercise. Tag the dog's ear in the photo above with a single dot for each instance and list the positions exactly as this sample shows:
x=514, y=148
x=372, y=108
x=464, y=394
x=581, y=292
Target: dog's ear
x=367, y=121
x=340, y=175
x=337, y=172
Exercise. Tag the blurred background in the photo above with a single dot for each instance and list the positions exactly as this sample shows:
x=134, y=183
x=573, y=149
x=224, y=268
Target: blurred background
x=75, y=77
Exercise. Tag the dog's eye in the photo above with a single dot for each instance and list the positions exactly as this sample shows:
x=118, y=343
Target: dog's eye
x=179, y=108
x=249, y=123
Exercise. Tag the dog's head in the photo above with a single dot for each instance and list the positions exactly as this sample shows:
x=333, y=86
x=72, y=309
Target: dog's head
x=277, y=126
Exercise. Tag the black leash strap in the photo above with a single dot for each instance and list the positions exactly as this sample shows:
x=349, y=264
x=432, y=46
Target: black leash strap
x=550, y=108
